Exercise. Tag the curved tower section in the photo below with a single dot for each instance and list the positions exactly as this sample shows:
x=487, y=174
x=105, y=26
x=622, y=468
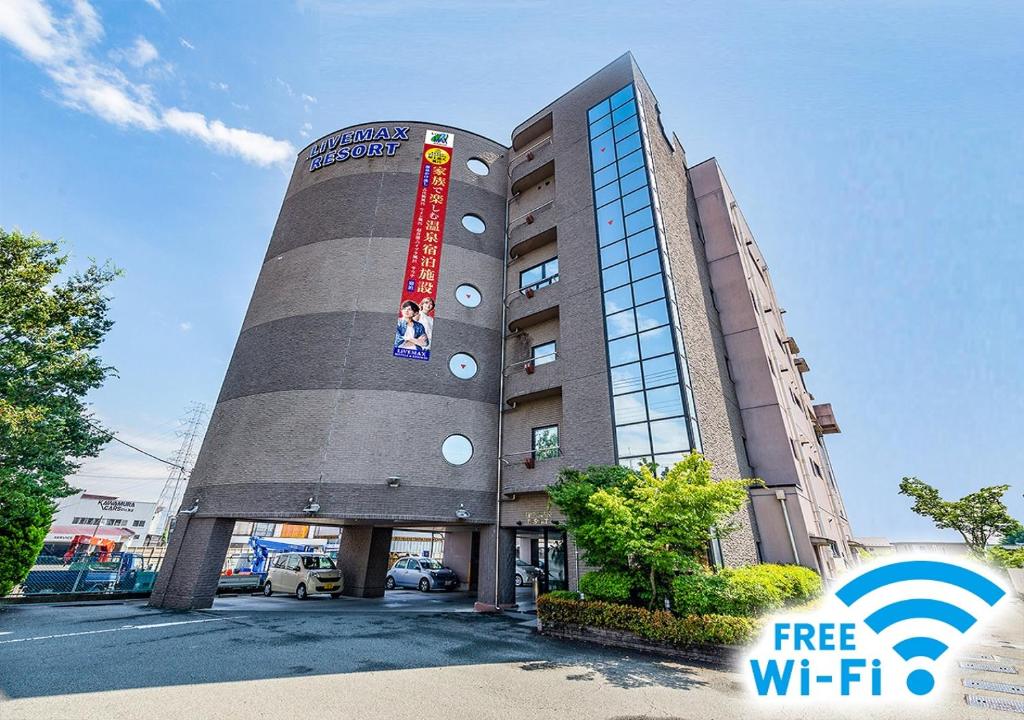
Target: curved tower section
x=339, y=406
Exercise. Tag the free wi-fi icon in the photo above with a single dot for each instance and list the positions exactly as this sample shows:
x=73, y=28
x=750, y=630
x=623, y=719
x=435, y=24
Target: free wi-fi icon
x=920, y=681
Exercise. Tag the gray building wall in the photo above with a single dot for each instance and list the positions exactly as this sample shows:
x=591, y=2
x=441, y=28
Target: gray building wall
x=581, y=371
x=313, y=403
x=784, y=438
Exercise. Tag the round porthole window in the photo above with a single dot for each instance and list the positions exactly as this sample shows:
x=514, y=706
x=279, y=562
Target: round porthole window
x=463, y=366
x=457, y=449
x=478, y=166
x=468, y=295
x=474, y=223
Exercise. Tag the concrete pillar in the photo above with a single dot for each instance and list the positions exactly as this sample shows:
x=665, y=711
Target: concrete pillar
x=363, y=559
x=505, y=569
x=458, y=555
x=191, y=568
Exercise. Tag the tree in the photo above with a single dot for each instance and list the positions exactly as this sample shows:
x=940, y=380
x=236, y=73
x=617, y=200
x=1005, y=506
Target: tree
x=1014, y=535
x=977, y=516
x=644, y=523
x=50, y=328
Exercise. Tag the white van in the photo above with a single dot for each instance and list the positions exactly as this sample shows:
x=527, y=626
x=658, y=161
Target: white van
x=302, y=574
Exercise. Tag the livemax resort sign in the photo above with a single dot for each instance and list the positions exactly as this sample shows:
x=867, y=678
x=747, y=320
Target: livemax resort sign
x=354, y=144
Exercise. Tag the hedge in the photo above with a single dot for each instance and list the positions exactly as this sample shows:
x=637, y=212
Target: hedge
x=745, y=591
x=608, y=585
x=657, y=625
x=1007, y=557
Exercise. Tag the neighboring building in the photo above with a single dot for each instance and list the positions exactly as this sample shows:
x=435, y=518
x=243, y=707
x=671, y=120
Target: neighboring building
x=882, y=546
x=800, y=512
x=874, y=545
x=575, y=324
x=124, y=521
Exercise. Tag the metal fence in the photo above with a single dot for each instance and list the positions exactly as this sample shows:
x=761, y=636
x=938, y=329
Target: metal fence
x=116, y=573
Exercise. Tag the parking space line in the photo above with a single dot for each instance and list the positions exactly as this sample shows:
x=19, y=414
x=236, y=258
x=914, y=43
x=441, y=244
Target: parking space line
x=149, y=626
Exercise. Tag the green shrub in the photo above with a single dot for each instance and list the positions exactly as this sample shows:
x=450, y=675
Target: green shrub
x=1006, y=557
x=655, y=625
x=745, y=591
x=700, y=593
x=564, y=594
x=793, y=584
x=750, y=593
x=607, y=585
x=804, y=583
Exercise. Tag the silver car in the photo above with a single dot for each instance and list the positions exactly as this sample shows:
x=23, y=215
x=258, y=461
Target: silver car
x=525, y=572
x=425, y=574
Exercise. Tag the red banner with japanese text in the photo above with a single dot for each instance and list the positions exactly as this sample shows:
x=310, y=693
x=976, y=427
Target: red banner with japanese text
x=415, y=329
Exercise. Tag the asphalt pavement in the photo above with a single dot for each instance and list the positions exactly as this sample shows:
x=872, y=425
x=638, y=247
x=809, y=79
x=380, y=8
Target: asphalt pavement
x=406, y=655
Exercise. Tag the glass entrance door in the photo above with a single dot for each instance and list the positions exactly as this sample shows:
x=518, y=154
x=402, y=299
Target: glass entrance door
x=545, y=549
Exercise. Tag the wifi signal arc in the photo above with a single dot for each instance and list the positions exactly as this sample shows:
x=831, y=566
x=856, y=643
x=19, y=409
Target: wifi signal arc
x=920, y=570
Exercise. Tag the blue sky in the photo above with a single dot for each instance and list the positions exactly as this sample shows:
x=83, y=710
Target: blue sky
x=874, y=148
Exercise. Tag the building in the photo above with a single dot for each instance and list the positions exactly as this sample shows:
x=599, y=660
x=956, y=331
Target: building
x=124, y=521
x=800, y=512
x=443, y=322
x=879, y=546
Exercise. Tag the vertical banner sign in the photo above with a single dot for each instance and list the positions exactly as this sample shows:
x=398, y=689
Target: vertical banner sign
x=415, y=328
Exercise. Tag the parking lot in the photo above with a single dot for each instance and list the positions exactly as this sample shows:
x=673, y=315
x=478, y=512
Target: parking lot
x=408, y=654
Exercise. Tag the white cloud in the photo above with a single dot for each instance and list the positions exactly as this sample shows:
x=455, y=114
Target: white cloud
x=240, y=106
x=29, y=27
x=257, y=148
x=222, y=86
x=106, y=93
x=308, y=98
x=62, y=48
x=306, y=127
x=286, y=86
x=138, y=55
x=155, y=4
x=186, y=44
x=185, y=326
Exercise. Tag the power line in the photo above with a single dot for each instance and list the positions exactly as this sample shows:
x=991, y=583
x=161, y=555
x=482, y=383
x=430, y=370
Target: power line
x=115, y=438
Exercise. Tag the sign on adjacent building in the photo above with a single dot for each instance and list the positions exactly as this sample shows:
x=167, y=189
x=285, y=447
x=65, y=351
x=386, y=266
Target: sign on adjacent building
x=415, y=328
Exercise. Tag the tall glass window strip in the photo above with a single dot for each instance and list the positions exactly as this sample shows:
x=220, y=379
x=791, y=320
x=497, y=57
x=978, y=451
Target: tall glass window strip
x=651, y=403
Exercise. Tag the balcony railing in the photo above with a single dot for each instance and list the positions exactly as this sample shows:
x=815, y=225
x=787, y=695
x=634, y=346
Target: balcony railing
x=530, y=364
x=529, y=290
x=531, y=456
x=528, y=154
x=528, y=218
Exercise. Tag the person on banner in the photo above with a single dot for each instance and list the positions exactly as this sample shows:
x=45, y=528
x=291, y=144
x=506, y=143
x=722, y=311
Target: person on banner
x=409, y=333
x=425, y=319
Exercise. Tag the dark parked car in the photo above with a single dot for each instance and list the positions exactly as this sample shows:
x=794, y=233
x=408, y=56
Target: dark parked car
x=425, y=574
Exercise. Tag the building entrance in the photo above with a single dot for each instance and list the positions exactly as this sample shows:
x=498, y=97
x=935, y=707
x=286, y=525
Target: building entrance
x=541, y=553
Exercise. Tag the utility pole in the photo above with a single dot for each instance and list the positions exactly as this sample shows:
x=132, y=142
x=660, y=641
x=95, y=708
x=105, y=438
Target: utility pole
x=177, y=478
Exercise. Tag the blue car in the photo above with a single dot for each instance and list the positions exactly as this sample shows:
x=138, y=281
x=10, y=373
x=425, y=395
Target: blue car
x=424, y=574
